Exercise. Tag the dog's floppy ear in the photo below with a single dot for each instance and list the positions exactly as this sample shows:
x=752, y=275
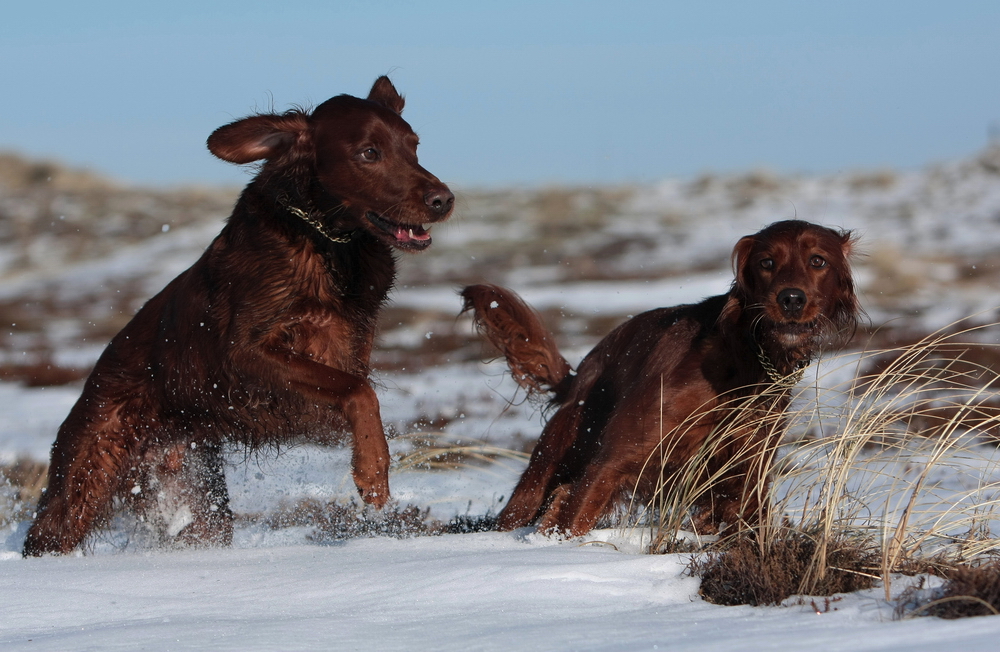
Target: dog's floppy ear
x=740, y=292
x=384, y=93
x=740, y=260
x=847, y=241
x=265, y=136
x=847, y=307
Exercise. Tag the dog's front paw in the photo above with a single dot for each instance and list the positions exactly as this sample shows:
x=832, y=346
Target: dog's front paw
x=374, y=493
x=375, y=498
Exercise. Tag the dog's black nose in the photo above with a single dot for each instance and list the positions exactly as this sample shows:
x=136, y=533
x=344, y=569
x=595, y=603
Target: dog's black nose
x=792, y=300
x=440, y=201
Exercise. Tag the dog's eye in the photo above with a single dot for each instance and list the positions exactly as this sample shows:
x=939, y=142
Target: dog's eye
x=767, y=263
x=817, y=261
x=370, y=154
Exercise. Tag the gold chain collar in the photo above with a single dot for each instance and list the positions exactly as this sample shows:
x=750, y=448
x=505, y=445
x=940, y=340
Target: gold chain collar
x=784, y=382
x=314, y=223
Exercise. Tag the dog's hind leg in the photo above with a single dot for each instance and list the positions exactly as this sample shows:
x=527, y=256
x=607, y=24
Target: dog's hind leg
x=181, y=494
x=213, y=519
x=533, y=489
x=88, y=459
x=578, y=511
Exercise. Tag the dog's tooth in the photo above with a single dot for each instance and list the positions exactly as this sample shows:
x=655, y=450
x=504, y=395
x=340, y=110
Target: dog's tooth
x=411, y=234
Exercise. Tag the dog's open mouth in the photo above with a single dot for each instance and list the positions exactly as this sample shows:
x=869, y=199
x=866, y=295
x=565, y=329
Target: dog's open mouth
x=404, y=236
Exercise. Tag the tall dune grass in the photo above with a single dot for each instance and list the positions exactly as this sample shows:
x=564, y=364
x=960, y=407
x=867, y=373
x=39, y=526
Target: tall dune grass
x=894, y=450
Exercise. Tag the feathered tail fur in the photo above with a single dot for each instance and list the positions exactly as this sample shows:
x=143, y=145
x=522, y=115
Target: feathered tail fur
x=514, y=328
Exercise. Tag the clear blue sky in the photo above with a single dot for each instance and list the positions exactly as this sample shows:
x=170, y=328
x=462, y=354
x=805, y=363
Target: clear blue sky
x=513, y=92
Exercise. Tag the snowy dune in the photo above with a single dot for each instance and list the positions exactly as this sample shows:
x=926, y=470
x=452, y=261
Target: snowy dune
x=612, y=253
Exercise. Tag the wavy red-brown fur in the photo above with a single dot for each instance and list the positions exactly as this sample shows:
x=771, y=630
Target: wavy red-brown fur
x=683, y=365
x=516, y=330
x=265, y=338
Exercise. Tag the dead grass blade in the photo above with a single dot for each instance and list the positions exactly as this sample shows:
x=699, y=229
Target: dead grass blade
x=889, y=451
x=441, y=451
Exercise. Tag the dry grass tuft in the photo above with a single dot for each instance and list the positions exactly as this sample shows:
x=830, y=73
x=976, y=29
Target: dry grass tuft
x=338, y=521
x=747, y=569
x=335, y=521
x=895, y=468
x=21, y=484
x=440, y=451
x=969, y=591
x=468, y=524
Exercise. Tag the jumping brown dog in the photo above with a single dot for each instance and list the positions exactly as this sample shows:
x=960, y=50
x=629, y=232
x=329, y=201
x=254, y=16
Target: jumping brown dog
x=266, y=337
x=663, y=381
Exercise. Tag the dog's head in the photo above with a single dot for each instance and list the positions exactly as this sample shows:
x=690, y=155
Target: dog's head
x=794, y=279
x=360, y=152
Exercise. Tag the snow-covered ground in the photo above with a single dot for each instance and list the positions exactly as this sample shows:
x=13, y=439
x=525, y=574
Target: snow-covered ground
x=932, y=240
x=456, y=592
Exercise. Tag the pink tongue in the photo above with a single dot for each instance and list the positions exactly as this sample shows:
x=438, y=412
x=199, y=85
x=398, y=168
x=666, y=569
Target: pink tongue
x=407, y=234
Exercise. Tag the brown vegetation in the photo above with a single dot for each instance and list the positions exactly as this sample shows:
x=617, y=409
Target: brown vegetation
x=968, y=591
x=21, y=485
x=767, y=569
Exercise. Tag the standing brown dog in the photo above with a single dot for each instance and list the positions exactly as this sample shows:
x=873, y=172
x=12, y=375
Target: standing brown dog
x=268, y=336
x=662, y=381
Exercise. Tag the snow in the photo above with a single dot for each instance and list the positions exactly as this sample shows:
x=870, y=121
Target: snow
x=287, y=589
x=589, y=297
x=30, y=418
x=283, y=589
x=489, y=591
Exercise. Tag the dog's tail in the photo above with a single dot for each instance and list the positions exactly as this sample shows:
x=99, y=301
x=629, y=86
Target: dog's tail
x=513, y=327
